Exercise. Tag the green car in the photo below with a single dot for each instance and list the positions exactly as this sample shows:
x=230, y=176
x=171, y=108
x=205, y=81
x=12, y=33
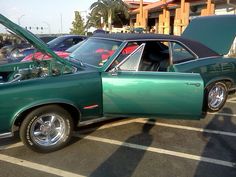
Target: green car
x=114, y=75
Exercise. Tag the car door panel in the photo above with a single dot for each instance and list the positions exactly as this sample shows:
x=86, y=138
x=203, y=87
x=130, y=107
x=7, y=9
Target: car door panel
x=153, y=94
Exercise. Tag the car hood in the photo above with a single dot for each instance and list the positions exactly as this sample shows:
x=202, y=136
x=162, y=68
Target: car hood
x=30, y=37
x=216, y=32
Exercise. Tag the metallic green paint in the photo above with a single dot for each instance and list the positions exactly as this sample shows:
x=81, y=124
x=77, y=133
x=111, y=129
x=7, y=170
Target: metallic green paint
x=178, y=93
x=153, y=93
x=211, y=69
x=79, y=89
x=216, y=33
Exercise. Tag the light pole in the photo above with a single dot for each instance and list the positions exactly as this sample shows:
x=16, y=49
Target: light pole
x=49, y=27
x=20, y=18
x=61, y=22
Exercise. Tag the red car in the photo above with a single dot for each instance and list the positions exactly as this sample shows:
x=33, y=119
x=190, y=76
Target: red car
x=42, y=56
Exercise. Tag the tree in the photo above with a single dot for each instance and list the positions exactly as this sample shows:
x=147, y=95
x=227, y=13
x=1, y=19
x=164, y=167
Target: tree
x=94, y=20
x=78, y=24
x=109, y=10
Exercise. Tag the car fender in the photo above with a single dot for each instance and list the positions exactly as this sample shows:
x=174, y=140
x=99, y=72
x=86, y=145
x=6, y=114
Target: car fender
x=217, y=79
x=42, y=103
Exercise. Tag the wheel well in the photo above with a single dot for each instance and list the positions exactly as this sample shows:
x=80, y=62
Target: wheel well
x=227, y=82
x=74, y=112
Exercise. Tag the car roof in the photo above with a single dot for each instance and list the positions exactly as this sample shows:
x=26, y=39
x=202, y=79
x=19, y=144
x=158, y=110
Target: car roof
x=199, y=49
x=72, y=36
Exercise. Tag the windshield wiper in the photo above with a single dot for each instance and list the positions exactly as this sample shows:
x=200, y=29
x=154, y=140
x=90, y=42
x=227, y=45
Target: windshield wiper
x=75, y=60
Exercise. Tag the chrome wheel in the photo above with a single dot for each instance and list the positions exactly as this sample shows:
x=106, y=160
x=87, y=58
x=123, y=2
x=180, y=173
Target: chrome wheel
x=48, y=129
x=217, y=96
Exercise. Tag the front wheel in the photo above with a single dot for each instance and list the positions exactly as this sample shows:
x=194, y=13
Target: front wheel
x=217, y=94
x=46, y=129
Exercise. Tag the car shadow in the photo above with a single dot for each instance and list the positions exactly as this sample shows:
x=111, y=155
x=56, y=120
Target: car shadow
x=4, y=142
x=218, y=147
x=125, y=160
x=7, y=142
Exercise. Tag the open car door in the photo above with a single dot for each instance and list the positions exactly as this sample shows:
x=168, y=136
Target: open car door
x=127, y=91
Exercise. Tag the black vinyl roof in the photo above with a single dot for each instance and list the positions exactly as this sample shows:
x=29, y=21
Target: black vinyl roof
x=199, y=49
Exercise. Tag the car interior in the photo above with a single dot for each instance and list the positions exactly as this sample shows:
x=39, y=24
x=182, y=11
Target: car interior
x=153, y=57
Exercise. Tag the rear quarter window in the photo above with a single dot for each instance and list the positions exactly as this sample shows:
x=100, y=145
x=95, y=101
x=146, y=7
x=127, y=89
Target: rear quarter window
x=180, y=53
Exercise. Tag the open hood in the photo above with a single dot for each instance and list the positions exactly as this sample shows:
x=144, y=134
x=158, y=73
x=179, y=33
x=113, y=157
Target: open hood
x=216, y=32
x=30, y=37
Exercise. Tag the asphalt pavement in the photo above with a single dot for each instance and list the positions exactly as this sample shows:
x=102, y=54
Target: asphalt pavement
x=135, y=147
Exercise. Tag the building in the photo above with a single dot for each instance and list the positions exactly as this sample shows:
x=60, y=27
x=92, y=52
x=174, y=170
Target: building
x=172, y=16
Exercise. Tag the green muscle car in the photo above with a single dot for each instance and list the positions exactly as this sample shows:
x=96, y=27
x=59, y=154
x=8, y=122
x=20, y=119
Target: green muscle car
x=114, y=75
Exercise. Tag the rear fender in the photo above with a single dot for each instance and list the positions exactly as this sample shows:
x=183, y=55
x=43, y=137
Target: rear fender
x=229, y=81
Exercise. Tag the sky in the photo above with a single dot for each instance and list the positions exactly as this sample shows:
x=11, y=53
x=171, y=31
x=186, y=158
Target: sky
x=49, y=14
x=55, y=16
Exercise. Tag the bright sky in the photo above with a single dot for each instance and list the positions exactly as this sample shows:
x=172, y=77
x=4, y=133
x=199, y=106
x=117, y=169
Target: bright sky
x=49, y=14
x=44, y=13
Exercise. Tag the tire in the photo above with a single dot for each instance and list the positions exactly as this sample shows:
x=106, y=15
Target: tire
x=217, y=94
x=46, y=129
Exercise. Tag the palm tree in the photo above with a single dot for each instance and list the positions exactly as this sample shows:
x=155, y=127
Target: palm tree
x=108, y=10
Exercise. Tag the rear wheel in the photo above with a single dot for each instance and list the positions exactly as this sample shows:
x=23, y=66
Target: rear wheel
x=217, y=94
x=46, y=129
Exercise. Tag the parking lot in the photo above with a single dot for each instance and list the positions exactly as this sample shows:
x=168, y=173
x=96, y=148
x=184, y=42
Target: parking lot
x=135, y=147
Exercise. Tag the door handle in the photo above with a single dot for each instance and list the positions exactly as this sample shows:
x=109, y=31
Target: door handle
x=193, y=84
x=114, y=73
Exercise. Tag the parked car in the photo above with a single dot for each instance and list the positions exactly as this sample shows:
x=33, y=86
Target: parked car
x=42, y=56
x=159, y=75
x=59, y=44
x=64, y=42
x=47, y=38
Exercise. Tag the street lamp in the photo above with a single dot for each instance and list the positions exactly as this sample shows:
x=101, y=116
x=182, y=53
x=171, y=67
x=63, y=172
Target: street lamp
x=49, y=27
x=61, y=22
x=20, y=18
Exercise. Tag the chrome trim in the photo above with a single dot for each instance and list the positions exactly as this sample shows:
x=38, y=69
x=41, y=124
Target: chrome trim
x=167, y=40
x=115, y=56
x=110, y=39
x=48, y=129
x=127, y=58
x=6, y=135
x=198, y=59
x=216, y=96
x=88, y=122
x=144, y=40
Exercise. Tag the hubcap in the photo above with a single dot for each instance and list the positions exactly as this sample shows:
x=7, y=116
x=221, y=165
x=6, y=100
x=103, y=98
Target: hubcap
x=48, y=129
x=216, y=96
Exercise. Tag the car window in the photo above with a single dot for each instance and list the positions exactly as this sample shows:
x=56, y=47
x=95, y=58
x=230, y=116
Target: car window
x=95, y=51
x=131, y=62
x=153, y=56
x=180, y=53
x=67, y=42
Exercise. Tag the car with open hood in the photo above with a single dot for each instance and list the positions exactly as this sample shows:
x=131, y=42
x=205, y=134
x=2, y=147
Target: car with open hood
x=115, y=75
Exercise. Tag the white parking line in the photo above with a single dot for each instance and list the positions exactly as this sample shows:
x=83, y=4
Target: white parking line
x=11, y=146
x=161, y=151
x=231, y=100
x=143, y=120
x=36, y=166
x=187, y=128
x=222, y=114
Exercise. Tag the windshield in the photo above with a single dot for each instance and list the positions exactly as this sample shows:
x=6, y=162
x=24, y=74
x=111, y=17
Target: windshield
x=55, y=42
x=95, y=51
x=74, y=47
